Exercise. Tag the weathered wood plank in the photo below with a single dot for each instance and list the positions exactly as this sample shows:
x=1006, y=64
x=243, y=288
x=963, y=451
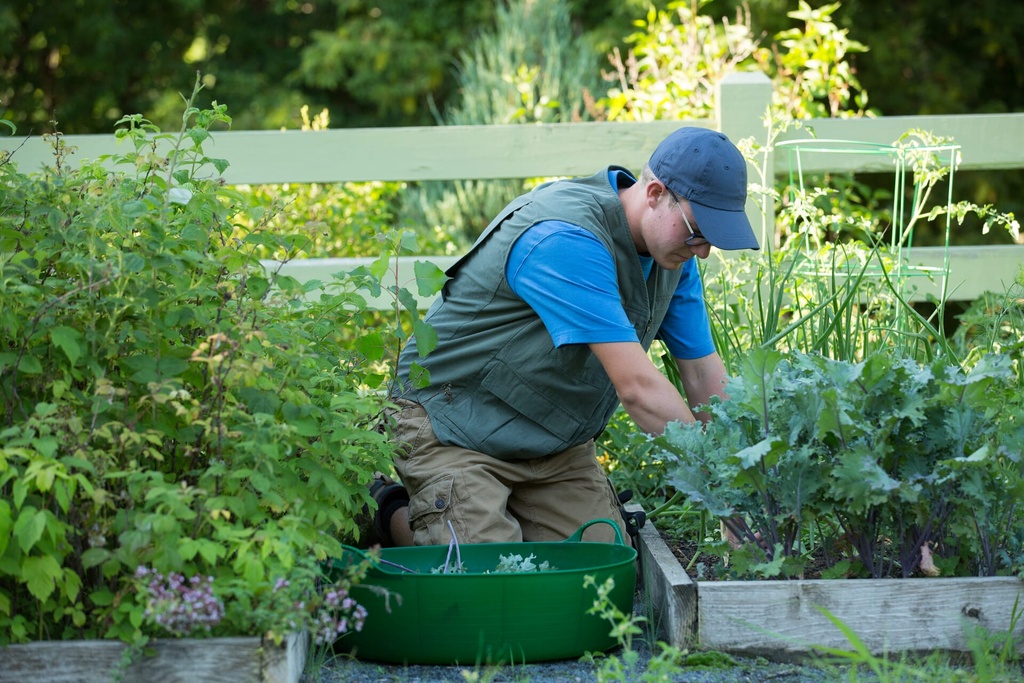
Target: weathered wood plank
x=286, y=663
x=782, y=619
x=668, y=589
x=213, y=660
x=972, y=270
x=518, y=151
x=408, y=153
x=778, y=618
x=63, y=662
x=982, y=139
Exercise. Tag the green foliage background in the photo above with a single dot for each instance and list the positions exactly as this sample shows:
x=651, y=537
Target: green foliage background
x=392, y=62
x=399, y=62
x=159, y=324
x=371, y=63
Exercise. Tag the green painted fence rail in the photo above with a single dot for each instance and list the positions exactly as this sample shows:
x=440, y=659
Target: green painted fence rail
x=987, y=141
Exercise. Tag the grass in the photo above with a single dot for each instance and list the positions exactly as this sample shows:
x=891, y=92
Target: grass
x=992, y=657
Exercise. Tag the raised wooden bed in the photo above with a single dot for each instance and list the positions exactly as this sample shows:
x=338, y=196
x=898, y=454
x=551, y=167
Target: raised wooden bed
x=782, y=619
x=225, y=660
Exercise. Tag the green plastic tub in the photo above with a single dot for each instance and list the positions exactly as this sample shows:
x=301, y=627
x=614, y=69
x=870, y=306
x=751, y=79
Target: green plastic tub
x=475, y=617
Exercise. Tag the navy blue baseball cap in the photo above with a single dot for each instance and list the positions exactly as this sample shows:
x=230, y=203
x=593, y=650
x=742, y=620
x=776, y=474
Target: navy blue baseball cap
x=705, y=168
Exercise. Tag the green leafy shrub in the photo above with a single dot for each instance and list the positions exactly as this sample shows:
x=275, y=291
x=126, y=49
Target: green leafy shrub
x=678, y=56
x=674, y=63
x=893, y=459
x=328, y=220
x=809, y=69
x=994, y=323
x=532, y=66
x=166, y=401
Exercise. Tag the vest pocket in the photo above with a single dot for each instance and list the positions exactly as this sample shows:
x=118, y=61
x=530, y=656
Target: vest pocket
x=507, y=418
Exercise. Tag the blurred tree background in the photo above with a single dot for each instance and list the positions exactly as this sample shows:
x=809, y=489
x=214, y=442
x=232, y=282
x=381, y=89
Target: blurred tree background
x=86, y=63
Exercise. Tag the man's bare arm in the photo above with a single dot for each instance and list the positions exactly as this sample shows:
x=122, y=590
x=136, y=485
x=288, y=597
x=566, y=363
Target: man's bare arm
x=702, y=378
x=645, y=393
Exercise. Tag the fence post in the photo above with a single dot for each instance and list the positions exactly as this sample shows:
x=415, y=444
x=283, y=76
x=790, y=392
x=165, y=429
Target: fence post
x=743, y=102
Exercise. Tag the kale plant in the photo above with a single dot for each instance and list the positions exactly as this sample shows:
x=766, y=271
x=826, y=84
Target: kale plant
x=893, y=456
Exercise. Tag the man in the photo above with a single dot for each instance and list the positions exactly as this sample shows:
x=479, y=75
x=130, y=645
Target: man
x=543, y=332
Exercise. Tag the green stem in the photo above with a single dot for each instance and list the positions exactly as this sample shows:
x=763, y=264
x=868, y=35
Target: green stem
x=661, y=509
x=700, y=542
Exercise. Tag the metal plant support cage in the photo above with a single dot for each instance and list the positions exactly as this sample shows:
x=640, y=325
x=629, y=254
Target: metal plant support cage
x=917, y=170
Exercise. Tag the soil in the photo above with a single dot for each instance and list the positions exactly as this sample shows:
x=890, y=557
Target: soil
x=704, y=567
x=709, y=567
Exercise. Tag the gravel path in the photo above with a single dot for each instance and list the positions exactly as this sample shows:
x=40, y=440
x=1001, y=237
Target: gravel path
x=722, y=669
x=344, y=670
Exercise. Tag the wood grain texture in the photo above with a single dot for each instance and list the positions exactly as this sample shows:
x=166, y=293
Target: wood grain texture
x=668, y=589
x=972, y=271
x=539, y=150
x=888, y=615
x=517, y=151
x=784, y=619
x=213, y=660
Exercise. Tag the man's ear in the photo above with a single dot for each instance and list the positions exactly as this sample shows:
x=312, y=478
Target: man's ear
x=653, y=191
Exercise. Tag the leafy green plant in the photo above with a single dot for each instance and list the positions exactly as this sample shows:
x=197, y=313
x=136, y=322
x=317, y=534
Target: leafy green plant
x=810, y=69
x=631, y=461
x=532, y=66
x=167, y=401
x=994, y=323
x=626, y=665
x=894, y=454
x=674, y=62
x=678, y=56
x=507, y=564
x=328, y=220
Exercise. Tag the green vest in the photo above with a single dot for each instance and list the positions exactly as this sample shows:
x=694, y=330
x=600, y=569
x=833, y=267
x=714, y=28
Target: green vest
x=498, y=385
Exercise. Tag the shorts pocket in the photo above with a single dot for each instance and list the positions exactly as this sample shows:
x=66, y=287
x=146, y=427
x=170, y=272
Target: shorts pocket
x=427, y=509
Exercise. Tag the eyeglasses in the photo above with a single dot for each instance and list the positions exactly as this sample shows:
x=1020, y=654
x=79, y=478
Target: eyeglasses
x=695, y=239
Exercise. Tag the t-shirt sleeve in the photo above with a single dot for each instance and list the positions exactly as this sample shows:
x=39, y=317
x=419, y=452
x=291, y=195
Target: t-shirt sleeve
x=567, y=275
x=686, y=330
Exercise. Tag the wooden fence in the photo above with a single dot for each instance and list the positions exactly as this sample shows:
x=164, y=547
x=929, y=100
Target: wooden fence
x=987, y=141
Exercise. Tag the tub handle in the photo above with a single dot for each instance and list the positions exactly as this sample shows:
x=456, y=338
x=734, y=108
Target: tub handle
x=578, y=536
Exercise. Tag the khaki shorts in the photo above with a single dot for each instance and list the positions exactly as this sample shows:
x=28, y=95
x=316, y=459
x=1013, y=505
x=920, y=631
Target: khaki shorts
x=492, y=501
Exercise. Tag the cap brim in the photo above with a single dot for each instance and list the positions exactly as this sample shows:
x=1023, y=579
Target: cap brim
x=724, y=229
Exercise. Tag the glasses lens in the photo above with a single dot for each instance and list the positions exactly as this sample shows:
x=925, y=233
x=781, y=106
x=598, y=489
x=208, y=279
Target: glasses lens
x=696, y=238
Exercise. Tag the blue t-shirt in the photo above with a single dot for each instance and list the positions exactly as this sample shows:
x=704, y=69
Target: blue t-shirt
x=567, y=276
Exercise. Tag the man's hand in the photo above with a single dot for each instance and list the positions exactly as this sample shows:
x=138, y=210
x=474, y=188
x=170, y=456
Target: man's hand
x=736, y=532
